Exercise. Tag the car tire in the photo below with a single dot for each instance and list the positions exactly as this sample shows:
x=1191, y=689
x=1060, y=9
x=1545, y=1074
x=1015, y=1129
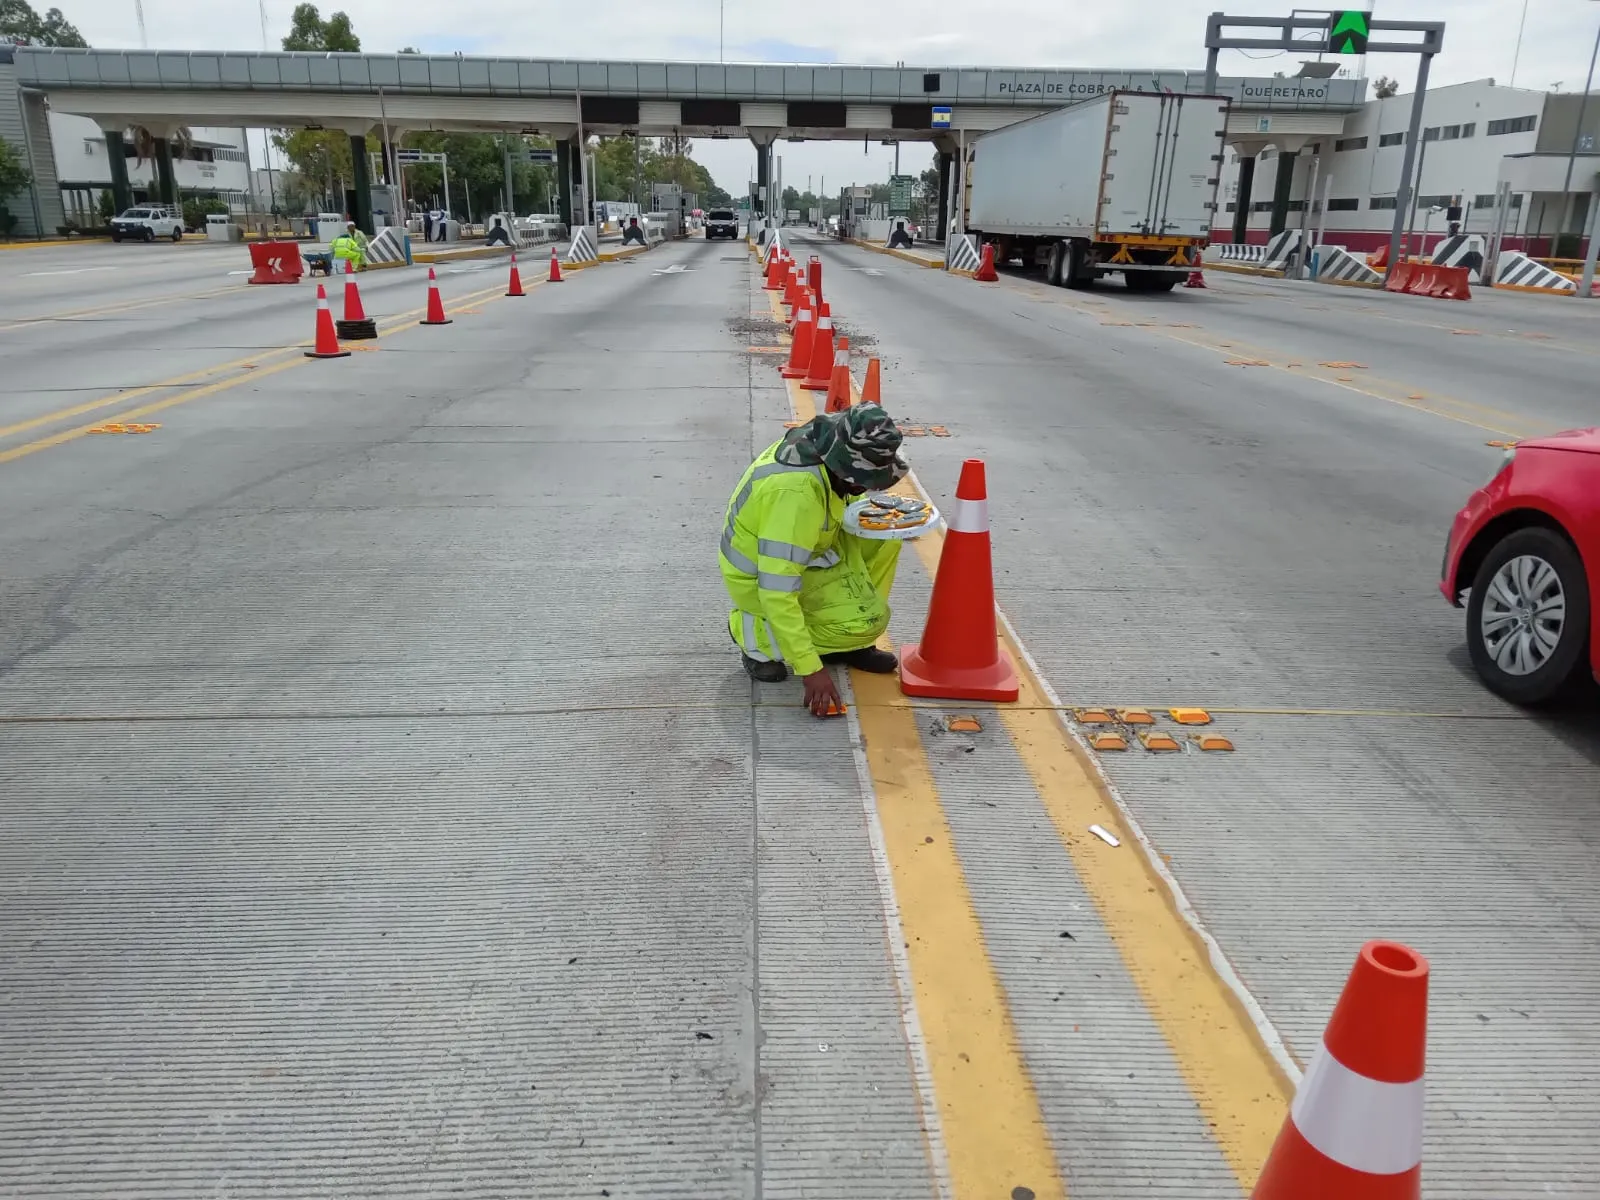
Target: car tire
x=177, y=235
x=1529, y=644
x=115, y=236
x=149, y=235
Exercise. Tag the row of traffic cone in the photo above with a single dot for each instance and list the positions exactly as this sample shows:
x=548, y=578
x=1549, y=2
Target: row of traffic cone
x=357, y=326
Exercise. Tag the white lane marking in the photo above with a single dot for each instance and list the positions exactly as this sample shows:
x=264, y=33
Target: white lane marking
x=74, y=271
x=674, y=269
x=241, y=272
x=865, y=270
x=468, y=269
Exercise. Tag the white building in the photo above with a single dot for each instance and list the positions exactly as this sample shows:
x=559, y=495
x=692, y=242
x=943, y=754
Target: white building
x=1475, y=135
x=214, y=165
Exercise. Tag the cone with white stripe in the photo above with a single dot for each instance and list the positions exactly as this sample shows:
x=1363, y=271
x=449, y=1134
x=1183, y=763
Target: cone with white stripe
x=1354, y=1131
x=839, y=385
x=800, y=349
x=959, y=657
x=327, y=342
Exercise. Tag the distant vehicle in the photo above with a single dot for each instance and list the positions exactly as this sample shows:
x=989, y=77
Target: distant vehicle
x=146, y=224
x=1525, y=554
x=1124, y=182
x=721, y=222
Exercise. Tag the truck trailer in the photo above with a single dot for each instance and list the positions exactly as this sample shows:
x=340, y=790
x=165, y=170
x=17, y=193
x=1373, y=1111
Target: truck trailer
x=1124, y=182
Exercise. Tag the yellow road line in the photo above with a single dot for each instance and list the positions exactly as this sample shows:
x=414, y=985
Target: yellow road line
x=1216, y=1042
x=107, y=310
x=395, y=324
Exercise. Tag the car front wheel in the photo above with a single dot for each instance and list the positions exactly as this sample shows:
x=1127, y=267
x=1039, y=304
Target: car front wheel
x=1528, y=616
x=149, y=235
x=177, y=235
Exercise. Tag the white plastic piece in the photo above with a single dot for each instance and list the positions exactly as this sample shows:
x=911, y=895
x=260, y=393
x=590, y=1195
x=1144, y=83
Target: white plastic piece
x=1109, y=839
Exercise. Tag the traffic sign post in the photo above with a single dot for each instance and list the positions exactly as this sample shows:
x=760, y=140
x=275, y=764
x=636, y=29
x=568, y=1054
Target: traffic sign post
x=941, y=117
x=1340, y=33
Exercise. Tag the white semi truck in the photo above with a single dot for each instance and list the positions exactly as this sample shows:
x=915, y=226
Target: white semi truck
x=1124, y=182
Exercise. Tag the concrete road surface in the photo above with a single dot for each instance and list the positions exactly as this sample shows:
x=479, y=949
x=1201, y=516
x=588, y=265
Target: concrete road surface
x=386, y=812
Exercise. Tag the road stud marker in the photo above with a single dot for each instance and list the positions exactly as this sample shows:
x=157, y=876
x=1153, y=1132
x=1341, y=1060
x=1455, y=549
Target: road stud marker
x=1135, y=716
x=1105, y=740
x=1159, y=742
x=1211, y=741
x=1093, y=716
x=1190, y=716
x=964, y=723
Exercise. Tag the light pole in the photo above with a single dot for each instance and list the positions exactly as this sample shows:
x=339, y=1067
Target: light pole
x=1577, y=137
x=1427, y=219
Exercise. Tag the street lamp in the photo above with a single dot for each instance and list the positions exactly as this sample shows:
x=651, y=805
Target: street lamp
x=1427, y=219
x=1577, y=137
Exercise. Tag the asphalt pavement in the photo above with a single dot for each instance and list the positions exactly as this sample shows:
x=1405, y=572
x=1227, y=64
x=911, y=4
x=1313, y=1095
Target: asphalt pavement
x=386, y=813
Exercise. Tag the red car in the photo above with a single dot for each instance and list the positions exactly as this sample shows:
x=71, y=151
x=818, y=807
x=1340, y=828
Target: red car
x=1525, y=553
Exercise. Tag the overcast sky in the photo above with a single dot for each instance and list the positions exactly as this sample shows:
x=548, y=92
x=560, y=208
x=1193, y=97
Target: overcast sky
x=1480, y=41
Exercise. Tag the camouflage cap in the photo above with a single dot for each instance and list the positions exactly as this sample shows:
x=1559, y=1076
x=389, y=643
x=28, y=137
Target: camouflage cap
x=860, y=445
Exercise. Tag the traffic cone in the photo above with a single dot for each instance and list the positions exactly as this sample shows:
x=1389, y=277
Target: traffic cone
x=774, y=265
x=986, y=272
x=800, y=349
x=555, y=266
x=352, y=297
x=959, y=657
x=1197, y=279
x=819, y=373
x=516, y=278
x=435, y=304
x=839, y=383
x=327, y=344
x=814, y=277
x=871, y=387
x=1354, y=1131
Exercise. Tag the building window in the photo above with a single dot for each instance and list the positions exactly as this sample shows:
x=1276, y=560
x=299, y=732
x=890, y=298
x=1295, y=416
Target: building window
x=1381, y=202
x=1516, y=200
x=1350, y=205
x=1261, y=206
x=1231, y=206
x=1470, y=129
x=1483, y=200
x=1435, y=201
x=1391, y=139
x=1512, y=125
x=1355, y=143
x=1431, y=134
x=1450, y=133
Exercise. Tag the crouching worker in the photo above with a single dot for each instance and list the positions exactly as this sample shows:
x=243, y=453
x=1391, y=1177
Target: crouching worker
x=805, y=591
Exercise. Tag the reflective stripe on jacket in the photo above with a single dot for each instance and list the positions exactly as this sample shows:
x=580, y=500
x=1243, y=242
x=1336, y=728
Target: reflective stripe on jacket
x=781, y=521
x=345, y=246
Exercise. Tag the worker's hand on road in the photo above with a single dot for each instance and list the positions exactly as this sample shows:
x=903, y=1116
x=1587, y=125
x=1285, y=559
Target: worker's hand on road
x=821, y=693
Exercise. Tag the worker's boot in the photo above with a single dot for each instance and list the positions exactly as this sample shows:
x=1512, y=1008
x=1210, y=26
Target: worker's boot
x=869, y=658
x=764, y=672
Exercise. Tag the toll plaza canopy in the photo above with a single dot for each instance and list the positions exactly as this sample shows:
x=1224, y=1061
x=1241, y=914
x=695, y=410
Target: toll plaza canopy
x=356, y=92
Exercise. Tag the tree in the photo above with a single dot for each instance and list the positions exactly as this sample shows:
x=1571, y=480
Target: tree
x=308, y=31
x=320, y=157
x=14, y=177
x=1383, y=87
x=19, y=20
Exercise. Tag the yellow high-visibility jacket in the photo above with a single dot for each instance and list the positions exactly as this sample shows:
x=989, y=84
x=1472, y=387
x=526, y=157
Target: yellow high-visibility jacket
x=781, y=521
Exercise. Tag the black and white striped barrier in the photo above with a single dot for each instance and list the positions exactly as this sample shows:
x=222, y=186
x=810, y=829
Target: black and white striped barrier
x=1335, y=264
x=391, y=247
x=1462, y=250
x=583, y=249
x=1274, y=256
x=961, y=252
x=1517, y=271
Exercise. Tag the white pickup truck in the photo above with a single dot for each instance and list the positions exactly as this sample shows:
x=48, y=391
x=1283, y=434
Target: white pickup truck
x=146, y=224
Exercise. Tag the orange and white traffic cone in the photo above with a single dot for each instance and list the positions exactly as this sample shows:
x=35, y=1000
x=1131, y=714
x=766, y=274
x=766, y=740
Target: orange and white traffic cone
x=1354, y=1131
x=352, y=296
x=814, y=277
x=986, y=272
x=1197, y=279
x=774, y=265
x=327, y=343
x=959, y=656
x=871, y=387
x=435, y=304
x=555, y=266
x=516, y=278
x=839, y=385
x=819, y=372
x=800, y=349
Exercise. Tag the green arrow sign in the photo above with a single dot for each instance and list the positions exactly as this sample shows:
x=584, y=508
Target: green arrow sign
x=1348, y=33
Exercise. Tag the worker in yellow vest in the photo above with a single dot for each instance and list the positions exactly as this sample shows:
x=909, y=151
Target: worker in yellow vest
x=351, y=244
x=805, y=591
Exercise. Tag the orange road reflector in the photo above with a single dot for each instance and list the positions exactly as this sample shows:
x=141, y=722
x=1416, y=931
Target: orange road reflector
x=938, y=431
x=1416, y=396
x=1158, y=742
x=835, y=710
x=1093, y=716
x=963, y=724
x=1135, y=716
x=1190, y=716
x=1345, y=366
x=1212, y=741
x=1247, y=362
x=913, y=431
x=1108, y=741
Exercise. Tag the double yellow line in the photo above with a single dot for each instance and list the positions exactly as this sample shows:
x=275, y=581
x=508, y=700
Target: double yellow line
x=243, y=369
x=992, y=1132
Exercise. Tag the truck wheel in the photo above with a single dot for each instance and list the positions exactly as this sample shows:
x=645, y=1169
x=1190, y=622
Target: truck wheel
x=1077, y=273
x=177, y=233
x=1058, y=263
x=149, y=234
x=1528, y=616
